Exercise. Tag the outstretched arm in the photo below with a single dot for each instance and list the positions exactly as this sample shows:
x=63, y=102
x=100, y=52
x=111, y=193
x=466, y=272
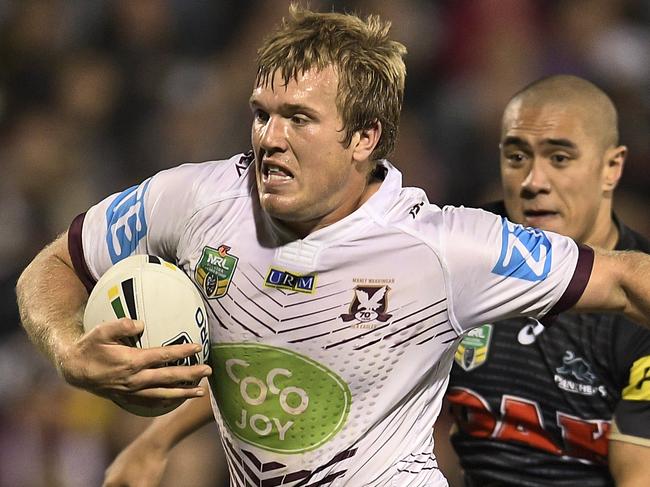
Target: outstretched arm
x=619, y=281
x=142, y=463
x=629, y=463
x=51, y=299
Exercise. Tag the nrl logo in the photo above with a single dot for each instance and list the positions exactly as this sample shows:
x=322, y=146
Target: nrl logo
x=214, y=271
x=473, y=350
x=369, y=304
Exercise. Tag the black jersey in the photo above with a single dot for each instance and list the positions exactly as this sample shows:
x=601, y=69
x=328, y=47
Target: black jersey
x=535, y=405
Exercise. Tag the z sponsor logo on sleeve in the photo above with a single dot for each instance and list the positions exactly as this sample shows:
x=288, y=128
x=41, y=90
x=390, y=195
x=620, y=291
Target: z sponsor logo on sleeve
x=525, y=253
x=126, y=223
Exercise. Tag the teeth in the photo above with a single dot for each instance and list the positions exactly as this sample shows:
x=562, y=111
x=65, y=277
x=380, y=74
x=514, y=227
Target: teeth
x=275, y=173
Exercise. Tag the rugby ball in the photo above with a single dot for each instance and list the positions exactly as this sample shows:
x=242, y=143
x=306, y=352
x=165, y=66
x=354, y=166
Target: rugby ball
x=150, y=289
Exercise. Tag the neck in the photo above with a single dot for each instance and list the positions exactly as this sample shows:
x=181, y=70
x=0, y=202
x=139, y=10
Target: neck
x=605, y=232
x=606, y=238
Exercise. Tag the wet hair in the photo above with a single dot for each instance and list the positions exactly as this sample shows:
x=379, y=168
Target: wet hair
x=369, y=65
x=575, y=91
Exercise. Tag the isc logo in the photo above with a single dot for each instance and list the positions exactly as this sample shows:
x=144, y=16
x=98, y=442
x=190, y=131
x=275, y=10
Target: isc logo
x=126, y=224
x=525, y=253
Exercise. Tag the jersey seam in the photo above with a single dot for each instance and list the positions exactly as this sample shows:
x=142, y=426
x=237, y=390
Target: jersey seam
x=228, y=195
x=450, y=312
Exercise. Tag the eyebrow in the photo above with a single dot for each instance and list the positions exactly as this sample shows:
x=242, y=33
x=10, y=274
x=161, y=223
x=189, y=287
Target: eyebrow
x=561, y=142
x=510, y=140
x=518, y=141
x=287, y=107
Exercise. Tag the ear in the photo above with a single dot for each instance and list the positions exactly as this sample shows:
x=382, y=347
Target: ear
x=364, y=142
x=613, y=167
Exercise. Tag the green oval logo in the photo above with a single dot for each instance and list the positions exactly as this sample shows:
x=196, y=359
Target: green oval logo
x=276, y=399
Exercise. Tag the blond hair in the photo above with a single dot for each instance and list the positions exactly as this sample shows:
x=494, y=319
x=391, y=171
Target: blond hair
x=369, y=64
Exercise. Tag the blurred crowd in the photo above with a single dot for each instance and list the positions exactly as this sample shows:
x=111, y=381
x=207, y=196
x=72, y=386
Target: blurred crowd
x=96, y=95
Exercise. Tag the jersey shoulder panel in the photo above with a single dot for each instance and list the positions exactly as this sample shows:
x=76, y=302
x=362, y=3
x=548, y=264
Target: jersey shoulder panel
x=213, y=181
x=496, y=269
x=151, y=217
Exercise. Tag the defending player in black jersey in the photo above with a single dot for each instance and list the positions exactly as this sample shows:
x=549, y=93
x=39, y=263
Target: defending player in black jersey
x=556, y=405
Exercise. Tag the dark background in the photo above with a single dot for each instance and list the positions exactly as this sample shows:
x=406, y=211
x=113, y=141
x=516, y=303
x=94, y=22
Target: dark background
x=96, y=95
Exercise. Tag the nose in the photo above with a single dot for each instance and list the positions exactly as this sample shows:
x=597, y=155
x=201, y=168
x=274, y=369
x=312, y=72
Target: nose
x=536, y=181
x=273, y=136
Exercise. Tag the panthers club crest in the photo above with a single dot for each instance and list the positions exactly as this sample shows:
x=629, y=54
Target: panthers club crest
x=215, y=270
x=473, y=349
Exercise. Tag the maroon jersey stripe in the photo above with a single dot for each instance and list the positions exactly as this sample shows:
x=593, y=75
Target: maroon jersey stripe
x=578, y=282
x=75, y=247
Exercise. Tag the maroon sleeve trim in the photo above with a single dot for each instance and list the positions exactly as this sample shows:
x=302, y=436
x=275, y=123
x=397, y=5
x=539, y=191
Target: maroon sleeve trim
x=75, y=247
x=578, y=282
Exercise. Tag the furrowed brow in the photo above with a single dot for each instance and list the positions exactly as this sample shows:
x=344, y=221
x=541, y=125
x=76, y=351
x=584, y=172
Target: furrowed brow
x=566, y=143
x=515, y=141
x=297, y=108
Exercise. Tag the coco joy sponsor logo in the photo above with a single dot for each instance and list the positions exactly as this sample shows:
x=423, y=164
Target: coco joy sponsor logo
x=277, y=399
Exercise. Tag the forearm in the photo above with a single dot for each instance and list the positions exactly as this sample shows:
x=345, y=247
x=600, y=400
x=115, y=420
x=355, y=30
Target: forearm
x=636, y=285
x=168, y=430
x=629, y=464
x=619, y=281
x=51, y=300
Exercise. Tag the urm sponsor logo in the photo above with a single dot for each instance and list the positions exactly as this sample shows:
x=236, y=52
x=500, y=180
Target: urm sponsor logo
x=278, y=278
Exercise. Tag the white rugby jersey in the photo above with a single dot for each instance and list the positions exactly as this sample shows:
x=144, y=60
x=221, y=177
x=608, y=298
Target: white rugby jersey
x=331, y=354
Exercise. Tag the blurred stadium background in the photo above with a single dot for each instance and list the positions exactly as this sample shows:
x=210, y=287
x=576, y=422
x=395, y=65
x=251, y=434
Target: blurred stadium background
x=96, y=95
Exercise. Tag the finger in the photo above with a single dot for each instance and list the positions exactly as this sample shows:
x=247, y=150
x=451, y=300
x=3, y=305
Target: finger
x=160, y=356
x=111, y=331
x=169, y=377
x=157, y=393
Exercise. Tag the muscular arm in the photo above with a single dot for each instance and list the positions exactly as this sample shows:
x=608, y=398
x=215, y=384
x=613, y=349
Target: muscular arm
x=51, y=299
x=629, y=463
x=142, y=463
x=49, y=292
x=620, y=281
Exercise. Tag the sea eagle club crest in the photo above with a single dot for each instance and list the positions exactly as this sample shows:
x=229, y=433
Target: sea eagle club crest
x=214, y=271
x=369, y=304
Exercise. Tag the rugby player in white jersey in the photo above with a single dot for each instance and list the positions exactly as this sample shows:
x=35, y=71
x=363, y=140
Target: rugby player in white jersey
x=336, y=296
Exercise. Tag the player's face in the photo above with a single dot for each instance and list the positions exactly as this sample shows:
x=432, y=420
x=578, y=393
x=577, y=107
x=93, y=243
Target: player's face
x=306, y=177
x=554, y=173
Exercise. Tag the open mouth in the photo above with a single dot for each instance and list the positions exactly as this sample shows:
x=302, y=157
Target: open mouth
x=274, y=173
